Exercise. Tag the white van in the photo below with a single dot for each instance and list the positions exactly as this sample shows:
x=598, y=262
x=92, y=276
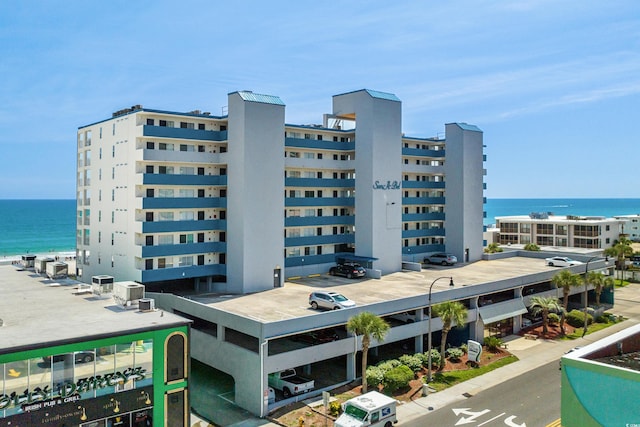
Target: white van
x=372, y=409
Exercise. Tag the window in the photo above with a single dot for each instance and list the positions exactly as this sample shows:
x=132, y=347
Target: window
x=151, y=145
x=200, y=237
x=201, y=193
x=149, y=240
x=149, y=169
x=165, y=216
x=150, y=192
x=185, y=261
x=148, y=264
x=200, y=215
x=165, y=239
x=165, y=192
x=189, y=170
x=200, y=126
x=200, y=171
x=200, y=259
x=186, y=238
x=187, y=192
x=163, y=123
x=186, y=216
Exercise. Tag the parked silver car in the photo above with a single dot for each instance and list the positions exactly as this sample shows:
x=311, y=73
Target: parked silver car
x=329, y=300
x=441, y=258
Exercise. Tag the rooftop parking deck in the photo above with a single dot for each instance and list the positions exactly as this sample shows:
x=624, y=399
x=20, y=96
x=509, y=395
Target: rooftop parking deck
x=291, y=300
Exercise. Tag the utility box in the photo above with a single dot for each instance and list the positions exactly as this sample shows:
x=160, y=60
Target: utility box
x=102, y=284
x=57, y=270
x=41, y=264
x=147, y=304
x=127, y=293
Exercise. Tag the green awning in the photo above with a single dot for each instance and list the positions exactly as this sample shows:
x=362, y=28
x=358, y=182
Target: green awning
x=502, y=310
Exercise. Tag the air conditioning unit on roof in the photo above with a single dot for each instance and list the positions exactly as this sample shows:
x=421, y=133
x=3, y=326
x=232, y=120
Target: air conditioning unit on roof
x=127, y=293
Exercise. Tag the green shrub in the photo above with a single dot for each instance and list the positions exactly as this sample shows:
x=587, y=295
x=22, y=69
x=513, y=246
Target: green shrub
x=493, y=248
x=553, y=318
x=387, y=365
x=375, y=376
x=335, y=408
x=413, y=361
x=454, y=354
x=531, y=247
x=492, y=343
x=435, y=358
x=464, y=348
x=607, y=318
x=575, y=318
x=397, y=378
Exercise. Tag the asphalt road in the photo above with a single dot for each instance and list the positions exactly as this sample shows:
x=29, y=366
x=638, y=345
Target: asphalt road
x=529, y=400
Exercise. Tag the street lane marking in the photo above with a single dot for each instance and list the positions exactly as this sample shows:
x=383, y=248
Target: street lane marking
x=494, y=418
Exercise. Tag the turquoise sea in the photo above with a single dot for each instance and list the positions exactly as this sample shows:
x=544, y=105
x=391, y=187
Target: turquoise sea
x=37, y=226
x=42, y=226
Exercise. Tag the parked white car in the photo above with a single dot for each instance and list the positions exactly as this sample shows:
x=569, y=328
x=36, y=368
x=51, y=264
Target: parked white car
x=561, y=261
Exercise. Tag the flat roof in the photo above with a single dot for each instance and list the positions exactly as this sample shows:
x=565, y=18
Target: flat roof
x=39, y=312
x=291, y=300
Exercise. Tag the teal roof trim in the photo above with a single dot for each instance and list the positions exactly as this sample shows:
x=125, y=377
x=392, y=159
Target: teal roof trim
x=263, y=99
x=465, y=126
x=375, y=94
x=382, y=95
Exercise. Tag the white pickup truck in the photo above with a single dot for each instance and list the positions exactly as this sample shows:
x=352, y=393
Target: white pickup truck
x=290, y=383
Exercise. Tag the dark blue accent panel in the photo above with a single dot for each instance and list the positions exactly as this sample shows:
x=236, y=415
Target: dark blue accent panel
x=169, y=226
x=319, y=182
x=301, y=221
x=422, y=152
x=318, y=201
x=422, y=184
x=183, y=202
x=170, y=179
x=183, y=249
x=427, y=232
x=319, y=145
x=195, y=134
x=175, y=273
x=436, y=216
x=319, y=240
x=422, y=249
x=423, y=200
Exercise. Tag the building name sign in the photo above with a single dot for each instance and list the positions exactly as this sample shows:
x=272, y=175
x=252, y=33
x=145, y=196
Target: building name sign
x=69, y=391
x=389, y=185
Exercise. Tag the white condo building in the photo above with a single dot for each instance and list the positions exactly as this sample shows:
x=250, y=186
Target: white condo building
x=565, y=231
x=235, y=203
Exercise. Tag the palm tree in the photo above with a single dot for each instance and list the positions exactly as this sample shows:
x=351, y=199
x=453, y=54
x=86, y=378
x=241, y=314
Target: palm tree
x=621, y=250
x=565, y=280
x=369, y=326
x=597, y=280
x=608, y=282
x=544, y=306
x=452, y=313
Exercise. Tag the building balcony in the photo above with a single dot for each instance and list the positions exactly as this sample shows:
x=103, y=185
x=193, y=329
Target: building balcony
x=175, y=273
x=412, y=250
x=319, y=201
x=180, y=133
x=319, y=240
x=422, y=184
x=425, y=232
x=429, y=216
x=180, y=249
x=181, y=156
x=175, y=226
x=423, y=201
x=319, y=145
x=183, y=202
x=422, y=169
x=178, y=180
x=438, y=154
x=306, y=221
x=302, y=260
x=319, y=182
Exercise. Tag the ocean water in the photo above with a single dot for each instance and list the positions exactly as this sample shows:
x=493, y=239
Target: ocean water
x=42, y=226
x=37, y=226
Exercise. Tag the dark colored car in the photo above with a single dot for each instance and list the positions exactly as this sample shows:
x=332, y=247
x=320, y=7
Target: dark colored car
x=317, y=337
x=78, y=357
x=348, y=270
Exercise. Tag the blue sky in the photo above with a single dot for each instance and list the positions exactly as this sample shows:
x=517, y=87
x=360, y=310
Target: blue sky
x=554, y=85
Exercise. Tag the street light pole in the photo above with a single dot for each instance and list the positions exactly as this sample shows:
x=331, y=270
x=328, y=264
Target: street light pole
x=429, y=339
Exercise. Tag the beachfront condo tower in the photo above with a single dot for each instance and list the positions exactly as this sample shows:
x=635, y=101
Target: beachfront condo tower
x=240, y=202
